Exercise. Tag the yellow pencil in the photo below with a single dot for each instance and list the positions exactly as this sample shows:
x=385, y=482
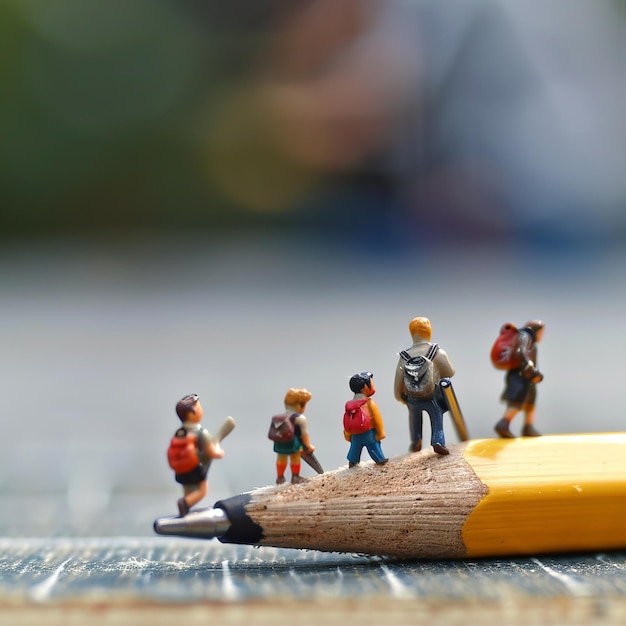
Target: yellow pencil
x=489, y=497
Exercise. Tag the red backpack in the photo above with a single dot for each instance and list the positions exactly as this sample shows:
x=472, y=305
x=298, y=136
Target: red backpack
x=182, y=454
x=355, y=419
x=505, y=353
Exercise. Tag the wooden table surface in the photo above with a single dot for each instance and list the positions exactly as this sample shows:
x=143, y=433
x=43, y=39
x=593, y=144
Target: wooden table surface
x=154, y=580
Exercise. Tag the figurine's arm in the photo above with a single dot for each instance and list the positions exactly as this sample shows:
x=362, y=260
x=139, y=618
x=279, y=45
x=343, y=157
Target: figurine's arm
x=444, y=367
x=528, y=354
x=215, y=450
x=377, y=420
x=398, y=384
x=208, y=447
x=304, y=434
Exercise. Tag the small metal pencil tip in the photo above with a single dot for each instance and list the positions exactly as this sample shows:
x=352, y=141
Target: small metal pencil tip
x=202, y=523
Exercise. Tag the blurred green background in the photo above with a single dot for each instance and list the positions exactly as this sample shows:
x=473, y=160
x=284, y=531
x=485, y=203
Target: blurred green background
x=102, y=115
x=493, y=120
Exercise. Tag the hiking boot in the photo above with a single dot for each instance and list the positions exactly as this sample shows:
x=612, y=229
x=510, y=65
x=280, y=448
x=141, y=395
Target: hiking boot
x=502, y=428
x=280, y=480
x=183, y=507
x=416, y=446
x=530, y=431
x=441, y=449
x=296, y=478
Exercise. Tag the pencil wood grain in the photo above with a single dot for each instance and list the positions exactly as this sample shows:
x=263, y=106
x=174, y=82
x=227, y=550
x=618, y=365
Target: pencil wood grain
x=414, y=505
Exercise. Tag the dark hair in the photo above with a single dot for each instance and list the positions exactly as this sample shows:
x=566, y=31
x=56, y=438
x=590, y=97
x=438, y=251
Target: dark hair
x=358, y=381
x=533, y=327
x=186, y=405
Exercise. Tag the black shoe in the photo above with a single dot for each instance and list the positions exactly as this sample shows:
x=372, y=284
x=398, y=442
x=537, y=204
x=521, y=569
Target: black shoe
x=183, y=507
x=440, y=449
x=416, y=446
x=502, y=428
x=382, y=462
x=530, y=431
x=352, y=464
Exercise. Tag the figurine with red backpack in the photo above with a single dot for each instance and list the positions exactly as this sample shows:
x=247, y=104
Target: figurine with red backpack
x=515, y=351
x=362, y=423
x=192, y=449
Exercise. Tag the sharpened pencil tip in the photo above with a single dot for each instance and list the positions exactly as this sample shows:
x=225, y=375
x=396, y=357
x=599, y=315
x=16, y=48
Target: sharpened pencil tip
x=203, y=523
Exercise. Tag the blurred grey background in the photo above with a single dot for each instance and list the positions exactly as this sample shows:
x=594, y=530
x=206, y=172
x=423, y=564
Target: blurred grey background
x=233, y=201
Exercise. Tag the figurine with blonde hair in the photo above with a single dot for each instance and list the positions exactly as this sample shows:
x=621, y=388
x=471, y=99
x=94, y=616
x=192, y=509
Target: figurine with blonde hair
x=290, y=435
x=418, y=373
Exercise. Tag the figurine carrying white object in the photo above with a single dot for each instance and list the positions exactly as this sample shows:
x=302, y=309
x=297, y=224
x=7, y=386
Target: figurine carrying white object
x=192, y=449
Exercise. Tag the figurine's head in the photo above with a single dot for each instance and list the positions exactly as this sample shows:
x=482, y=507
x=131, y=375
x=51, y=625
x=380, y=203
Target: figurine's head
x=420, y=327
x=297, y=399
x=536, y=327
x=189, y=409
x=363, y=383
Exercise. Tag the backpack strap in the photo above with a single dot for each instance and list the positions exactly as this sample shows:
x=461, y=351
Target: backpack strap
x=432, y=353
x=285, y=416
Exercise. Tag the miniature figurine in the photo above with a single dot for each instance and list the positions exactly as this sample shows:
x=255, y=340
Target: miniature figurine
x=191, y=451
x=418, y=374
x=289, y=433
x=362, y=422
x=515, y=350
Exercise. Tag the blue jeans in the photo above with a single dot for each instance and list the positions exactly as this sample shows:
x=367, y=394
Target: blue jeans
x=365, y=440
x=435, y=412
